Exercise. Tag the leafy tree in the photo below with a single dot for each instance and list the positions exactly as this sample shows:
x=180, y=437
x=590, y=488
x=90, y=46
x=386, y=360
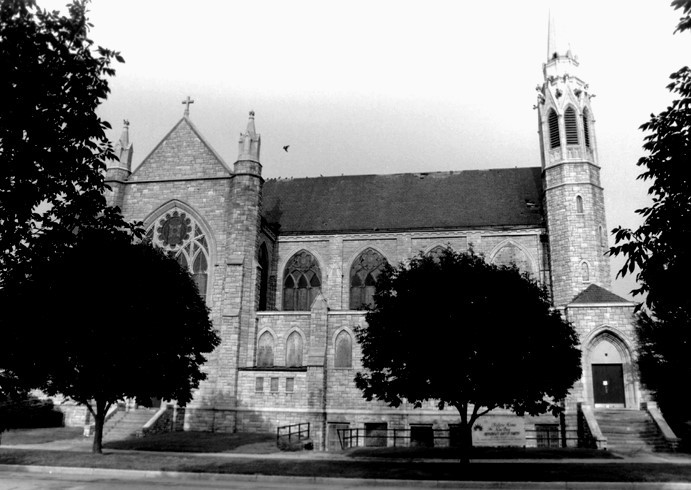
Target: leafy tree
x=105, y=320
x=685, y=21
x=663, y=360
x=659, y=248
x=53, y=146
x=459, y=331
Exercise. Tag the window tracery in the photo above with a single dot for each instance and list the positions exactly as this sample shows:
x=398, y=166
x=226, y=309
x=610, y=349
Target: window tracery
x=301, y=282
x=179, y=233
x=363, y=278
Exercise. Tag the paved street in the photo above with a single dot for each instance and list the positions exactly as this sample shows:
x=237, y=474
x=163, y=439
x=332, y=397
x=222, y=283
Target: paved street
x=72, y=480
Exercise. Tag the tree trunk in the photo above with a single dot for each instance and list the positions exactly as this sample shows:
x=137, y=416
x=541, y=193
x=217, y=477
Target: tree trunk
x=466, y=435
x=99, y=420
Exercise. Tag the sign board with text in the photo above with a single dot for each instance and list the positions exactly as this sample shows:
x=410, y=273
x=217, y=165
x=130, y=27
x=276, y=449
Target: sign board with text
x=499, y=431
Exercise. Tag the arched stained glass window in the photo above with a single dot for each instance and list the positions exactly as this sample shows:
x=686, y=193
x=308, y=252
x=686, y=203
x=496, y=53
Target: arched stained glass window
x=263, y=260
x=343, y=350
x=294, y=350
x=571, y=126
x=553, y=123
x=437, y=252
x=265, y=350
x=180, y=233
x=301, y=282
x=363, y=278
x=512, y=254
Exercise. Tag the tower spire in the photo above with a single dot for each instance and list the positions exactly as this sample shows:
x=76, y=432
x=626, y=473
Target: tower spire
x=250, y=142
x=551, y=37
x=123, y=148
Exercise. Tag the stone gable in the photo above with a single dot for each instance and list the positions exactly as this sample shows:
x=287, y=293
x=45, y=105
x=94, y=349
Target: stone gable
x=182, y=154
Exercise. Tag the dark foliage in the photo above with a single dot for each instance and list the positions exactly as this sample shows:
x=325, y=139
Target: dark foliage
x=105, y=320
x=663, y=360
x=659, y=248
x=685, y=20
x=461, y=332
x=53, y=147
x=28, y=412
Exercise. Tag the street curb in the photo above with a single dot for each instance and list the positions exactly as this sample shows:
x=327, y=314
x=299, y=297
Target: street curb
x=319, y=480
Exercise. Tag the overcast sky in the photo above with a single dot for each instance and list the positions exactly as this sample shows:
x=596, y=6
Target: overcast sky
x=388, y=86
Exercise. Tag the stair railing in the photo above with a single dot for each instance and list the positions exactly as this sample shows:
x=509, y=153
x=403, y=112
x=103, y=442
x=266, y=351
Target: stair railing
x=590, y=434
x=156, y=423
x=662, y=425
x=89, y=427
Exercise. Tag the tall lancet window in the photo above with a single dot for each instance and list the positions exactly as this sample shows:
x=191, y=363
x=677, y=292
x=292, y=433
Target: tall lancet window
x=586, y=127
x=301, y=282
x=363, y=278
x=294, y=350
x=553, y=123
x=180, y=233
x=265, y=350
x=571, y=126
x=263, y=277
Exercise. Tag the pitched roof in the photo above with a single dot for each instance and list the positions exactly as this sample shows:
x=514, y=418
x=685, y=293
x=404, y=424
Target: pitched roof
x=437, y=200
x=596, y=294
x=182, y=153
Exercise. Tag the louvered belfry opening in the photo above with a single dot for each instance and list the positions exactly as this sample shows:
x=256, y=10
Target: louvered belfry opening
x=553, y=121
x=586, y=128
x=571, y=126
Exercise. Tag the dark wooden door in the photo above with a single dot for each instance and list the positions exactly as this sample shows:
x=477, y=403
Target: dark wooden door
x=608, y=383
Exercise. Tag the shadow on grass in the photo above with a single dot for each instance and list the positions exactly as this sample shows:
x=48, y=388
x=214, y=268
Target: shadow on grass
x=200, y=442
x=40, y=436
x=479, y=453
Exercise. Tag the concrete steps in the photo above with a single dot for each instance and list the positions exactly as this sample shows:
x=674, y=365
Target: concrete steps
x=126, y=424
x=629, y=430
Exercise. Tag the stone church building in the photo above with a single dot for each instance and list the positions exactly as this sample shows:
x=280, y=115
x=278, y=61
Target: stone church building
x=286, y=265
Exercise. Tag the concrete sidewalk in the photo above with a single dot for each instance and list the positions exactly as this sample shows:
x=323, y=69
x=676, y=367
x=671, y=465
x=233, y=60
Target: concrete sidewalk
x=84, y=445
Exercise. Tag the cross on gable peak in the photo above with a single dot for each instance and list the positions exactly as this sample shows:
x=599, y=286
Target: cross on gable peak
x=187, y=103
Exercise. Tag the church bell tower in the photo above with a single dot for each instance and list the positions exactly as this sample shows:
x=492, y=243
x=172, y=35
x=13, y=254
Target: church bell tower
x=574, y=200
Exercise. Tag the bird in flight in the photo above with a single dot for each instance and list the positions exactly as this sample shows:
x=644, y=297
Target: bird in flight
x=285, y=148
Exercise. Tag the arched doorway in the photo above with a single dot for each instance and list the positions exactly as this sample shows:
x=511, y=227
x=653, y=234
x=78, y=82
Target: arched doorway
x=610, y=371
x=608, y=374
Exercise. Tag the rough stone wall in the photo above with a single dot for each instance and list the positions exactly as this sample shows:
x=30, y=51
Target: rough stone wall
x=575, y=237
x=336, y=253
x=182, y=154
x=616, y=322
x=115, y=178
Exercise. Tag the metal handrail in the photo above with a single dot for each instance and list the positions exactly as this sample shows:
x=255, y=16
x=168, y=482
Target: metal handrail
x=298, y=433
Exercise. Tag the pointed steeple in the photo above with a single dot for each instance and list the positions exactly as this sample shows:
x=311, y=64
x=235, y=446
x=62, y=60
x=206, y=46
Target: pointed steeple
x=250, y=142
x=551, y=37
x=574, y=202
x=119, y=170
x=124, y=149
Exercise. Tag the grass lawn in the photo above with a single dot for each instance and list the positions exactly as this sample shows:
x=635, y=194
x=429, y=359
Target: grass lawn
x=201, y=442
x=39, y=436
x=538, y=471
x=480, y=453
